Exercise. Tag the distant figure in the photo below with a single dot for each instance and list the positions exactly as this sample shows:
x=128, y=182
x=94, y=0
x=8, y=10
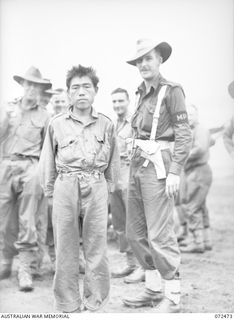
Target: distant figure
x=228, y=135
x=59, y=101
x=196, y=182
x=118, y=198
x=19, y=183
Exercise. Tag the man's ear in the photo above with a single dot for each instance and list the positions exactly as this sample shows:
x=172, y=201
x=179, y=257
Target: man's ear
x=96, y=89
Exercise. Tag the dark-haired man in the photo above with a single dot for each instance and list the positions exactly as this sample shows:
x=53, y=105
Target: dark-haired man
x=118, y=198
x=160, y=118
x=79, y=158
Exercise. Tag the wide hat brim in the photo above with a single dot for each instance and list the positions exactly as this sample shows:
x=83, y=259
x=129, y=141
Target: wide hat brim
x=163, y=47
x=45, y=83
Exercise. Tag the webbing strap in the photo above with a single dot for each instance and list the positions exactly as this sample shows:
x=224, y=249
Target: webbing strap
x=161, y=95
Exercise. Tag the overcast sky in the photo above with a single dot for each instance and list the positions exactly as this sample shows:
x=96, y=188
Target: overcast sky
x=54, y=35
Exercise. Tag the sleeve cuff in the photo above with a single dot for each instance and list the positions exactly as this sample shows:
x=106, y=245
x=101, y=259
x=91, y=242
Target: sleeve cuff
x=175, y=168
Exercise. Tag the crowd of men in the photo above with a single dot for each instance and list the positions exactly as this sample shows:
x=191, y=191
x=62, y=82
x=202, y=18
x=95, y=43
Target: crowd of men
x=62, y=162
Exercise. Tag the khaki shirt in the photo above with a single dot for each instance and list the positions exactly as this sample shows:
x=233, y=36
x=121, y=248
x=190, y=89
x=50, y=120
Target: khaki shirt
x=25, y=130
x=199, y=153
x=71, y=146
x=124, y=131
x=173, y=121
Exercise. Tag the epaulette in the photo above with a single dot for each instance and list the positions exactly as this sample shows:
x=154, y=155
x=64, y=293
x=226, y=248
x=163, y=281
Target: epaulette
x=174, y=85
x=104, y=115
x=57, y=116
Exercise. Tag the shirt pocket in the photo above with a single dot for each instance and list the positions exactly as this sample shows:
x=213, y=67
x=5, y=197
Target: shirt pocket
x=103, y=149
x=30, y=132
x=68, y=149
x=147, y=116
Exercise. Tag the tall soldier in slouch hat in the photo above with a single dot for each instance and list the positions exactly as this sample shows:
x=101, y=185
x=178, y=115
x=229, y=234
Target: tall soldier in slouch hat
x=160, y=118
x=79, y=157
x=21, y=140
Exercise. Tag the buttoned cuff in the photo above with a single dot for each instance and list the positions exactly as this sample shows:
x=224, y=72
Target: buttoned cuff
x=175, y=168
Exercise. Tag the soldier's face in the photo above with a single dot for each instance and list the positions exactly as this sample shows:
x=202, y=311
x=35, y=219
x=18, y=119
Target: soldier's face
x=32, y=91
x=44, y=99
x=149, y=64
x=59, y=102
x=120, y=103
x=82, y=92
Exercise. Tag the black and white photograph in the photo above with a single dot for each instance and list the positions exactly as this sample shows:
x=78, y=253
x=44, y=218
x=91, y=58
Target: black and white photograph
x=116, y=157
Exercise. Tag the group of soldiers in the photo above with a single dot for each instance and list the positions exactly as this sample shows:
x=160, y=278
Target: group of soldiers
x=62, y=162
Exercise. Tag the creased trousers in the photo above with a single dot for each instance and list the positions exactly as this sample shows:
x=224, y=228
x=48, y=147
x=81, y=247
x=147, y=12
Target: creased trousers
x=67, y=207
x=20, y=195
x=193, y=198
x=118, y=201
x=150, y=225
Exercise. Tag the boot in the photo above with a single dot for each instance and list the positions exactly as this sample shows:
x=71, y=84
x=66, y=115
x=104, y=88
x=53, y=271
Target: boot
x=136, y=276
x=171, y=301
x=197, y=246
x=183, y=232
x=24, y=271
x=207, y=238
x=127, y=269
x=5, y=269
x=144, y=299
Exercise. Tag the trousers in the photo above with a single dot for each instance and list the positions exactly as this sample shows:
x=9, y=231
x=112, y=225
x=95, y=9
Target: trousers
x=68, y=206
x=196, y=185
x=150, y=224
x=20, y=195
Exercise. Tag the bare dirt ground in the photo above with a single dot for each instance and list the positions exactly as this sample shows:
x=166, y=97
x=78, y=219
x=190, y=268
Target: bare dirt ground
x=207, y=279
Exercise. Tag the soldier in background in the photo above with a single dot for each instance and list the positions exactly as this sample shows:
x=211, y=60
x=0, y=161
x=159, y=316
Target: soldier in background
x=229, y=130
x=118, y=198
x=19, y=184
x=197, y=179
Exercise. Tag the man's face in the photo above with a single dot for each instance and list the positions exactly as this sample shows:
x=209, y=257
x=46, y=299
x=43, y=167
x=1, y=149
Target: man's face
x=192, y=116
x=44, y=99
x=149, y=64
x=120, y=103
x=32, y=90
x=59, y=102
x=82, y=92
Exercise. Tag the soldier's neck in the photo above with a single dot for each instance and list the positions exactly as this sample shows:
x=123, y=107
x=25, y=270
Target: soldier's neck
x=83, y=114
x=151, y=82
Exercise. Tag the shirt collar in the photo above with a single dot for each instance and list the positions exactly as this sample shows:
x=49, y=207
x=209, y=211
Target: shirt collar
x=70, y=113
x=158, y=81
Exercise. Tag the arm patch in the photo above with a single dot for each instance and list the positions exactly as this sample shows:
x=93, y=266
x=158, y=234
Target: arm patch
x=180, y=117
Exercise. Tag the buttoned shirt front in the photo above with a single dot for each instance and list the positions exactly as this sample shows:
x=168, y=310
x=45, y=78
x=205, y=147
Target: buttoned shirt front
x=123, y=131
x=173, y=121
x=26, y=130
x=71, y=146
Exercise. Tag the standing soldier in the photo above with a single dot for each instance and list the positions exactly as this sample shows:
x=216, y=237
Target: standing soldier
x=159, y=119
x=19, y=183
x=197, y=180
x=118, y=198
x=79, y=154
x=229, y=130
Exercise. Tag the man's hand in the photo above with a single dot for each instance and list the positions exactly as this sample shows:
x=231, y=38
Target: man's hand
x=172, y=185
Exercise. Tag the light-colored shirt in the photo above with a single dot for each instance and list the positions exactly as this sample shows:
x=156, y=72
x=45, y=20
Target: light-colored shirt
x=123, y=131
x=71, y=146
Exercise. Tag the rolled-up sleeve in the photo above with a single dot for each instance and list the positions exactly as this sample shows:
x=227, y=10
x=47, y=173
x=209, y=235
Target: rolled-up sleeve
x=112, y=171
x=181, y=128
x=47, y=166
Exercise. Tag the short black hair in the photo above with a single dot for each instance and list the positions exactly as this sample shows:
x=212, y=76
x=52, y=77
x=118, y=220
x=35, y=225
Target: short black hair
x=120, y=90
x=81, y=71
